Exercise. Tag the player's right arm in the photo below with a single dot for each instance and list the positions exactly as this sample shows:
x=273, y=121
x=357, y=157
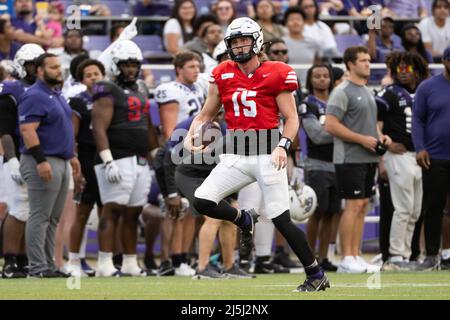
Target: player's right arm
x=102, y=114
x=208, y=112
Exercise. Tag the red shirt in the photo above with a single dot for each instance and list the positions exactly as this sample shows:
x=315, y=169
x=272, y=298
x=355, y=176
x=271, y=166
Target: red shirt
x=250, y=101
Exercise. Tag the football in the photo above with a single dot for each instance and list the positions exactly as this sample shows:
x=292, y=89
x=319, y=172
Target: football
x=209, y=132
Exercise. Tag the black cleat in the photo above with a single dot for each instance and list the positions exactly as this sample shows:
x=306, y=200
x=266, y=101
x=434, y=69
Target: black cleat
x=166, y=269
x=314, y=284
x=265, y=265
x=445, y=264
x=246, y=242
x=49, y=274
x=12, y=271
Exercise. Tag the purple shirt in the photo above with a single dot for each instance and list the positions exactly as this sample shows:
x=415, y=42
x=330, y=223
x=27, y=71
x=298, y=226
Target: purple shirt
x=431, y=118
x=405, y=8
x=359, y=4
x=20, y=23
x=48, y=107
x=383, y=50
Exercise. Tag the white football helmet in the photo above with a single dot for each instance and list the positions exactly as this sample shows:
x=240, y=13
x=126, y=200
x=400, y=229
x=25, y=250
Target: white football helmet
x=244, y=27
x=123, y=51
x=220, y=50
x=302, y=203
x=28, y=52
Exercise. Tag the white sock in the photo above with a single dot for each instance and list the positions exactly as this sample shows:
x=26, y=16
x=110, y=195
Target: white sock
x=445, y=254
x=74, y=256
x=129, y=259
x=264, y=231
x=104, y=257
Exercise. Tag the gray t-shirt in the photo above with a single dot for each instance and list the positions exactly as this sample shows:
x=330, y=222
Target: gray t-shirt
x=355, y=106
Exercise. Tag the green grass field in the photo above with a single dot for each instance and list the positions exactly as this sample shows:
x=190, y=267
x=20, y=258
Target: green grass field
x=420, y=286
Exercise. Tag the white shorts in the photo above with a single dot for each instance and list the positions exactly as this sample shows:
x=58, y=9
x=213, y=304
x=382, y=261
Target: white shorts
x=235, y=172
x=18, y=205
x=132, y=190
x=3, y=185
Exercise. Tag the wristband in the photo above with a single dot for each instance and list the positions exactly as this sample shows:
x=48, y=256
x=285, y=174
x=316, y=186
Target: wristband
x=172, y=195
x=285, y=143
x=106, y=156
x=38, y=153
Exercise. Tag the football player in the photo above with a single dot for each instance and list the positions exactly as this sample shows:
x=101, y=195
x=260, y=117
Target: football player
x=88, y=73
x=178, y=100
x=14, y=226
x=124, y=137
x=253, y=94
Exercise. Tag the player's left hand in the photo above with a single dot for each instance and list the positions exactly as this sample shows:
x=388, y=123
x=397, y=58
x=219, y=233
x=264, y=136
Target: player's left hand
x=279, y=158
x=385, y=139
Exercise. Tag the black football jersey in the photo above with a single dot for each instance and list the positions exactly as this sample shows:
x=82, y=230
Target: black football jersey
x=82, y=106
x=128, y=131
x=313, y=107
x=395, y=105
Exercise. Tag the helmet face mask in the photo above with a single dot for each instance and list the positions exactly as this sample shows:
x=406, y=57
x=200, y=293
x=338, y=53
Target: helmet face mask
x=129, y=71
x=240, y=28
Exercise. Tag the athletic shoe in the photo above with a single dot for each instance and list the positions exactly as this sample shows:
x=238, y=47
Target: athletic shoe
x=370, y=268
x=133, y=271
x=350, y=265
x=265, y=265
x=184, y=270
x=166, y=269
x=445, y=264
x=11, y=271
x=73, y=269
x=107, y=272
x=326, y=265
x=48, y=274
x=208, y=273
x=283, y=259
x=313, y=284
x=246, y=242
x=431, y=263
x=87, y=268
x=236, y=272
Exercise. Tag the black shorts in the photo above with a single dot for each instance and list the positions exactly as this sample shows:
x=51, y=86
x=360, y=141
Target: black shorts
x=325, y=186
x=356, y=180
x=90, y=194
x=187, y=184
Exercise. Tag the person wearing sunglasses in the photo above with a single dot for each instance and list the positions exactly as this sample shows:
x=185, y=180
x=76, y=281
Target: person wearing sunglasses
x=395, y=103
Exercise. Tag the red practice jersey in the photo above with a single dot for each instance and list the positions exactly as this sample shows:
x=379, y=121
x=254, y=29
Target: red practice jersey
x=249, y=101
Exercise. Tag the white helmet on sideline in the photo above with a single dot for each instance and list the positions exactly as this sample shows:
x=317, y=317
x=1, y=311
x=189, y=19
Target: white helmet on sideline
x=220, y=50
x=28, y=52
x=302, y=203
x=244, y=27
x=123, y=51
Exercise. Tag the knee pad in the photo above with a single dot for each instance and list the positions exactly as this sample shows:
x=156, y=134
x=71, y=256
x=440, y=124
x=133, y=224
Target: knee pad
x=203, y=206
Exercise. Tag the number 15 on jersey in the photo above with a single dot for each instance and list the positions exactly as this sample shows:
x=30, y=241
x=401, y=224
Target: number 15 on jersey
x=241, y=99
